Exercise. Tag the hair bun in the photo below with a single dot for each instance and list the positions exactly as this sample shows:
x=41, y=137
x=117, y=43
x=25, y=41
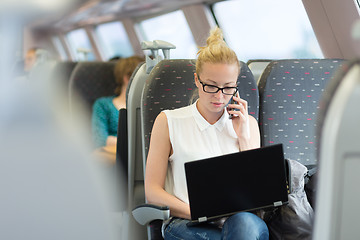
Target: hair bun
x=215, y=37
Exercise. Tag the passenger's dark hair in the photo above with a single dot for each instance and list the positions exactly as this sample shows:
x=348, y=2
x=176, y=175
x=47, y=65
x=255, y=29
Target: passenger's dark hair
x=115, y=58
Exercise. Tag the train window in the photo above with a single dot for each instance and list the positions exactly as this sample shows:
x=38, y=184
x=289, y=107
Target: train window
x=114, y=40
x=173, y=28
x=358, y=5
x=267, y=29
x=80, y=45
x=60, y=48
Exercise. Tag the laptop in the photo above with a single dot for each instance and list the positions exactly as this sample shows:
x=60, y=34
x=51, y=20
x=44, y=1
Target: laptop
x=242, y=181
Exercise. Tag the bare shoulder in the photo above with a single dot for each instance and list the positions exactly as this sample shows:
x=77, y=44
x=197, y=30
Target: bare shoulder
x=160, y=121
x=160, y=128
x=160, y=147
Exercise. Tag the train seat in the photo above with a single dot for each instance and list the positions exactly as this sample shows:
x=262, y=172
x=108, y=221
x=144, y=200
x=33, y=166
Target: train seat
x=289, y=100
x=62, y=73
x=248, y=90
x=133, y=155
x=171, y=85
x=129, y=154
x=133, y=102
x=88, y=82
x=337, y=201
x=122, y=134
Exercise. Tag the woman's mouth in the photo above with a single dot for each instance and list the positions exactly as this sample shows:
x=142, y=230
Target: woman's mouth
x=216, y=104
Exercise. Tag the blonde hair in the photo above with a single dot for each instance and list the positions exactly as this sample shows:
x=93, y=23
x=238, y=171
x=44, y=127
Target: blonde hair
x=216, y=51
x=125, y=67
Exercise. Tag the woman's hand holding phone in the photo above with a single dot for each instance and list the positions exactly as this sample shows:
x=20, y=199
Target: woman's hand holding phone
x=238, y=113
x=232, y=101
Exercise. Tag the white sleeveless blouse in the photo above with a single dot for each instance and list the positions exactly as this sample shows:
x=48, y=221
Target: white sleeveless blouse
x=193, y=138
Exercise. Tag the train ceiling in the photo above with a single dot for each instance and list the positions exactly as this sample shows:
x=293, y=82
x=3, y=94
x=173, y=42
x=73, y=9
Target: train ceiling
x=96, y=11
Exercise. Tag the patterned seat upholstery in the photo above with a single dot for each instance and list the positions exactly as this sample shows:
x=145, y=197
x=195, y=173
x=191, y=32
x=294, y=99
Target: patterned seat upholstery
x=289, y=98
x=91, y=80
x=248, y=90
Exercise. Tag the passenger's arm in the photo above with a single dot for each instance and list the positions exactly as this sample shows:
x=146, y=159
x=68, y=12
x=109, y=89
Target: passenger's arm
x=245, y=125
x=254, y=141
x=111, y=141
x=156, y=170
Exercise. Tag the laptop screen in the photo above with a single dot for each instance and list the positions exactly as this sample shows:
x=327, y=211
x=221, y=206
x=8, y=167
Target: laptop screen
x=241, y=181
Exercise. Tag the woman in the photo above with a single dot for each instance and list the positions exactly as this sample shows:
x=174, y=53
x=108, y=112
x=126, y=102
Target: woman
x=105, y=115
x=200, y=131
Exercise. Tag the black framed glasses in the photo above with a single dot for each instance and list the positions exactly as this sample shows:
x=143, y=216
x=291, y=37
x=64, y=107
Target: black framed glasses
x=214, y=89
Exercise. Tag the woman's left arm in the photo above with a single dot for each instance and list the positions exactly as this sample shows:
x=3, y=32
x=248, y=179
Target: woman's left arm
x=245, y=125
x=254, y=140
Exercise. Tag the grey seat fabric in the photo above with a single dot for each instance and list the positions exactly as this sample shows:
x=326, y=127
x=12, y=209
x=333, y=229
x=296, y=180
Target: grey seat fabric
x=248, y=90
x=337, y=201
x=90, y=81
x=289, y=100
x=135, y=160
x=129, y=146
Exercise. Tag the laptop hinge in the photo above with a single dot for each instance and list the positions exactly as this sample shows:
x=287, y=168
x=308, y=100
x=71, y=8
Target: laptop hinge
x=278, y=203
x=202, y=219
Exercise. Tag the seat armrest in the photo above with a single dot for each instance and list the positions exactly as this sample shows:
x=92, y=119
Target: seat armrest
x=146, y=213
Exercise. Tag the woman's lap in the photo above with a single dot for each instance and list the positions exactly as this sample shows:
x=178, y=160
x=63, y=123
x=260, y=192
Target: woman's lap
x=242, y=225
x=178, y=229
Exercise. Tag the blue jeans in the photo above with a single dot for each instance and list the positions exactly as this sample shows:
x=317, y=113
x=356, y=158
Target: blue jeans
x=243, y=225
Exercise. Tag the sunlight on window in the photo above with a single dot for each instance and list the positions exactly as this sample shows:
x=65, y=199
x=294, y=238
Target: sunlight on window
x=275, y=29
x=173, y=28
x=114, y=40
x=80, y=45
x=60, y=48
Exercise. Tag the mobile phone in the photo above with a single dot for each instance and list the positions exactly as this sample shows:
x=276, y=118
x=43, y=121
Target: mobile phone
x=232, y=102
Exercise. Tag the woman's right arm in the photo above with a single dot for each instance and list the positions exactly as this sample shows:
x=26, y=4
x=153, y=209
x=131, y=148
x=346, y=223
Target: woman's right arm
x=156, y=170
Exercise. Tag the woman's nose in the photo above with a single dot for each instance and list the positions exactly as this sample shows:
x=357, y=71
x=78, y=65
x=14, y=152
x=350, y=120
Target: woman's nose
x=219, y=94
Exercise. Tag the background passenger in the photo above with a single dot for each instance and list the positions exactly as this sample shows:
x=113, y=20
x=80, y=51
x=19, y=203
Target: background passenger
x=105, y=114
x=199, y=131
x=30, y=59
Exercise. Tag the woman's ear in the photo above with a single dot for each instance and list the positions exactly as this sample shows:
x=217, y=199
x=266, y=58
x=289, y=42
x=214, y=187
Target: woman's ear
x=196, y=79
